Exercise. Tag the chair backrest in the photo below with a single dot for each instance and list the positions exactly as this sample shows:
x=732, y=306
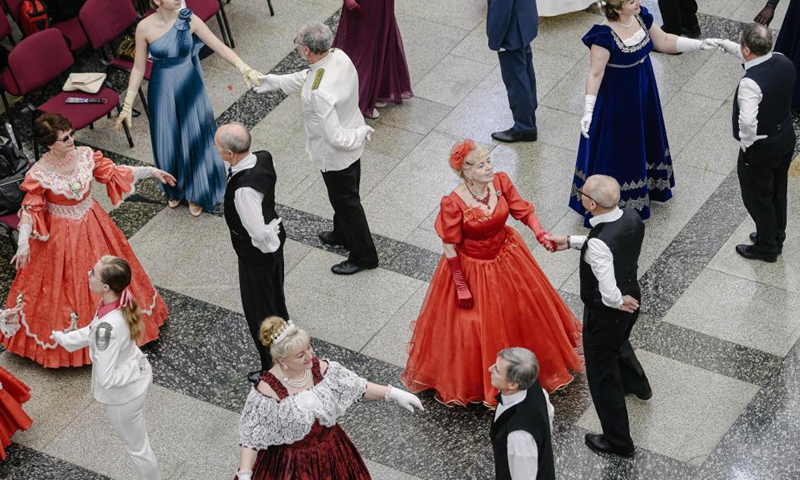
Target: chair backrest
x=38, y=59
x=13, y=8
x=105, y=20
x=5, y=26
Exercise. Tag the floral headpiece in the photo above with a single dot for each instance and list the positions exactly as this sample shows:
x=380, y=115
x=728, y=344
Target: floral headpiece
x=459, y=153
x=284, y=332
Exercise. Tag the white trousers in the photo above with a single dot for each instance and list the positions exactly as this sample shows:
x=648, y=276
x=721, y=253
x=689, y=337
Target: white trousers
x=128, y=421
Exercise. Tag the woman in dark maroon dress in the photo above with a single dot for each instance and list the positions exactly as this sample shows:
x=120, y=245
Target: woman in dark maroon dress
x=288, y=427
x=368, y=34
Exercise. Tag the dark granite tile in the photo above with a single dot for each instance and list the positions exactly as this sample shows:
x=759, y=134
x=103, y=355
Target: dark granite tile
x=25, y=463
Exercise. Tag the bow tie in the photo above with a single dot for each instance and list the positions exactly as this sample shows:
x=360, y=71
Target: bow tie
x=499, y=399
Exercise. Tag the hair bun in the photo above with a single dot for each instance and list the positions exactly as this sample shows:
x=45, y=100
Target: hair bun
x=270, y=329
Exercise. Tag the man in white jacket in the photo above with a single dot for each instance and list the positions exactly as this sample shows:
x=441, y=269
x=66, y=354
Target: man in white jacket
x=335, y=137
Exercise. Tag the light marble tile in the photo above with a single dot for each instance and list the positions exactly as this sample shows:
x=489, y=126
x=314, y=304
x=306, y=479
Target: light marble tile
x=689, y=413
x=425, y=238
x=713, y=148
x=426, y=42
x=475, y=46
x=393, y=141
x=717, y=78
x=382, y=472
x=568, y=96
x=739, y=310
x=344, y=310
x=390, y=343
x=467, y=16
x=451, y=80
x=719, y=8
x=562, y=35
x=684, y=116
x=415, y=115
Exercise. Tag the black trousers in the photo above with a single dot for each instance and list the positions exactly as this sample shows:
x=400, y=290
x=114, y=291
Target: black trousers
x=261, y=287
x=763, y=178
x=350, y=227
x=678, y=15
x=612, y=369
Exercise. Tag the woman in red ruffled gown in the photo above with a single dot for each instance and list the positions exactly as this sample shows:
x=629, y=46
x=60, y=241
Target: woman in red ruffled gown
x=368, y=34
x=488, y=293
x=13, y=393
x=63, y=231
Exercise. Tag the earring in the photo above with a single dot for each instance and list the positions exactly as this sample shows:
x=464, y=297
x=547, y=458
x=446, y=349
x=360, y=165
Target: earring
x=283, y=366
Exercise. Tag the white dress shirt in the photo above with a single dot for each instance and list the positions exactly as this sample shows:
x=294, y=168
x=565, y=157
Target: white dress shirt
x=523, y=453
x=600, y=258
x=749, y=98
x=330, y=110
x=248, y=205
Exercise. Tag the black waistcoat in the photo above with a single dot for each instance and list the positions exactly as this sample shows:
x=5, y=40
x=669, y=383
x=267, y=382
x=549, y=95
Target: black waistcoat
x=260, y=178
x=775, y=78
x=624, y=238
x=531, y=416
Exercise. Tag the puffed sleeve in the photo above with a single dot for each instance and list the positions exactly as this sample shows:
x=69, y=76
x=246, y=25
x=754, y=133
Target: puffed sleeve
x=265, y=422
x=601, y=36
x=448, y=222
x=647, y=17
x=117, y=179
x=33, y=206
x=520, y=208
x=344, y=388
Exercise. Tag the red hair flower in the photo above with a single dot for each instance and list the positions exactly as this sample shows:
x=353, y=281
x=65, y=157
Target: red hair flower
x=459, y=153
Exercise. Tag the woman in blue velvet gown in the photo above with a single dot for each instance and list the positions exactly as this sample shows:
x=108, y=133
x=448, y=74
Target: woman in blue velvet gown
x=623, y=132
x=182, y=125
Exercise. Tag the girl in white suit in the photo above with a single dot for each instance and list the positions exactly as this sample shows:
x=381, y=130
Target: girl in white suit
x=121, y=374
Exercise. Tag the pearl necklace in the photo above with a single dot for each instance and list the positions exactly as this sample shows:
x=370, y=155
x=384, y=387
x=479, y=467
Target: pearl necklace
x=625, y=26
x=298, y=383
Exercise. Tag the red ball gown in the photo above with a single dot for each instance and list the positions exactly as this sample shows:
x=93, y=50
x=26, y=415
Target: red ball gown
x=71, y=231
x=514, y=306
x=13, y=393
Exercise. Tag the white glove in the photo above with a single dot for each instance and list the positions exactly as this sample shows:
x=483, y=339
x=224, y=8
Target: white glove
x=404, y=399
x=143, y=363
x=248, y=475
x=56, y=336
x=269, y=83
x=586, y=120
x=364, y=133
x=729, y=47
x=23, y=242
x=684, y=44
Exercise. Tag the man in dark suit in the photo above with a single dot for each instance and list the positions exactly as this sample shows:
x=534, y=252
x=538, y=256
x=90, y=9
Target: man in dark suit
x=762, y=123
x=523, y=420
x=610, y=294
x=511, y=26
x=256, y=233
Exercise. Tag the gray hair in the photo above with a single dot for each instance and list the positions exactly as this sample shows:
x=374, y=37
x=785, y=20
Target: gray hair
x=757, y=38
x=316, y=36
x=234, y=137
x=523, y=366
x=603, y=189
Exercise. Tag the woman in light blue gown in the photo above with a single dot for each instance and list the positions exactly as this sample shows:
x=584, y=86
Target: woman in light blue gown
x=182, y=125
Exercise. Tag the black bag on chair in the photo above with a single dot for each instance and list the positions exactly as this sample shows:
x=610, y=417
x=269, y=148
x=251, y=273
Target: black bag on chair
x=13, y=167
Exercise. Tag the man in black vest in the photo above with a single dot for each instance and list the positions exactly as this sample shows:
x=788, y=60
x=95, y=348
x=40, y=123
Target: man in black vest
x=255, y=231
x=762, y=123
x=523, y=420
x=610, y=293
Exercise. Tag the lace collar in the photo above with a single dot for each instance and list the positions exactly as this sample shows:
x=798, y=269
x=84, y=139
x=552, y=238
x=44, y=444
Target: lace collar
x=635, y=47
x=74, y=186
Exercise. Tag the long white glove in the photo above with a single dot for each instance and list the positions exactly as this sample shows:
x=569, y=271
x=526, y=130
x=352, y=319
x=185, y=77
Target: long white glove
x=23, y=242
x=364, y=133
x=730, y=47
x=127, y=108
x=248, y=475
x=684, y=44
x=404, y=399
x=586, y=120
x=269, y=83
x=251, y=77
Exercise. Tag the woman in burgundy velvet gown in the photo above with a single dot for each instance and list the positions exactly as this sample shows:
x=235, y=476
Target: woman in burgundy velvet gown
x=368, y=34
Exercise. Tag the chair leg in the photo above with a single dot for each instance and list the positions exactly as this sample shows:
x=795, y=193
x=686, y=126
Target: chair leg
x=144, y=103
x=271, y=11
x=222, y=30
x=91, y=126
x=7, y=106
x=35, y=143
x=227, y=24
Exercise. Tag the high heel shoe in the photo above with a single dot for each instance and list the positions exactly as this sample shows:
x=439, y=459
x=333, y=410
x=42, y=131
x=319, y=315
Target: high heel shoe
x=173, y=203
x=195, y=210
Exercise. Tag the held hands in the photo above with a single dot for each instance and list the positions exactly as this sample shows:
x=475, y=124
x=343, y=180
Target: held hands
x=267, y=83
x=251, y=77
x=164, y=177
x=559, y=241
x=543, y=239
x=728, y=46
x=409, y=401
x=588, y=109
x=764, y=17
x=629, y=304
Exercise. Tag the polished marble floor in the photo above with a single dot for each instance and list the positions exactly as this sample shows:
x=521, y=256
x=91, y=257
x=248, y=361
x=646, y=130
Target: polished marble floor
x=718, y=335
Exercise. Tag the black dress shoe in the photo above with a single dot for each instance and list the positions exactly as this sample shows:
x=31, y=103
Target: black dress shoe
x=754, y=237
x=511, y=135
x=750, y=253
x=599, y=444
x=347, y=268
x=642, y=396
x=328, y=239
x=254, y=377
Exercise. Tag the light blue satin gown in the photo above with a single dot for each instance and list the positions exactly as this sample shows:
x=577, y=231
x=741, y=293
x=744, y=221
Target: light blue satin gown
x=182, y=125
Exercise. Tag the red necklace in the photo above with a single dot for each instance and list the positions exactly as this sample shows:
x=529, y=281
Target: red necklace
x=484, y=200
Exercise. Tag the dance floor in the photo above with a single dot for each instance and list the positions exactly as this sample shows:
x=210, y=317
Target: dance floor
x=718, y=335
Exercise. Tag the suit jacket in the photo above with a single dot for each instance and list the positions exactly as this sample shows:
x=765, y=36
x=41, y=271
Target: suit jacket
x=511, y=24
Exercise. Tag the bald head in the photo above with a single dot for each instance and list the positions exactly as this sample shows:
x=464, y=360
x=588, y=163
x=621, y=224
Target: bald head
x=234, y=137
x=757, y=38
x=603, y=189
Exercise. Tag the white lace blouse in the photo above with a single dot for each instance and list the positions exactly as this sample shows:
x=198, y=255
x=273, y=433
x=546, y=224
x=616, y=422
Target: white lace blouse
x=267, y=422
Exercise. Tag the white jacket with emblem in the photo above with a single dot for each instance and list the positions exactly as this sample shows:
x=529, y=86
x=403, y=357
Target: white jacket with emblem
x=120, y=371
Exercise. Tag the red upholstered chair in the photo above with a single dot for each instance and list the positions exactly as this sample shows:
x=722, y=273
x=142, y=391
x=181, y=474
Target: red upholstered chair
x=106, y=20
x=5, y=29
x=71, y=29
x=38, y=60
x=205, y=9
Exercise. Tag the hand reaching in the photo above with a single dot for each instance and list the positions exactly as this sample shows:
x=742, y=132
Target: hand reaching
x=164, y=177
x=409, y=401
x=267, y=84
x=543, y=240
x=764, y=17
x=560, y=242
x=710, y=44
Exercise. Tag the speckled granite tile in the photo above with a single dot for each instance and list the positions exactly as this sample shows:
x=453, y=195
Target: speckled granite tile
x=25, y=463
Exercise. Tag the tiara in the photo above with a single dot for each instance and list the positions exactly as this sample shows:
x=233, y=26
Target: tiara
x=284, y=332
